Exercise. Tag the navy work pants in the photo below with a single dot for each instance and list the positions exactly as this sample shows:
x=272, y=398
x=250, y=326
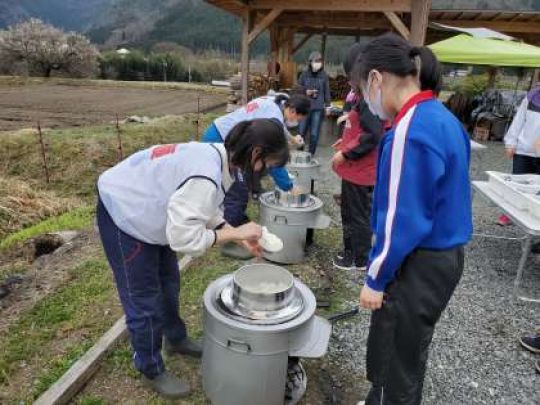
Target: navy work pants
x=148, y=283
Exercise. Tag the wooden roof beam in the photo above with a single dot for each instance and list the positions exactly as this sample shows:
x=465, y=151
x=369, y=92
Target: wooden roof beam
x=287, y=19
x=402, y=6
x=343, y=32
x=302, y=42
x=398, y=24
x=264, y=24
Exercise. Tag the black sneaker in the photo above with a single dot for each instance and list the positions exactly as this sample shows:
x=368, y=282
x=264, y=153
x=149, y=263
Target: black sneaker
x=531, y=343
x=344, y=262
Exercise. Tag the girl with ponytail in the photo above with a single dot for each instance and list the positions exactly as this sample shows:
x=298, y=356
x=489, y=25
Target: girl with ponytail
x=421, y=214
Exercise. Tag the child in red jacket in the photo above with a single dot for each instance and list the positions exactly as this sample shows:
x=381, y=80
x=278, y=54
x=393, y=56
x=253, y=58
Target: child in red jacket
x=355, y=162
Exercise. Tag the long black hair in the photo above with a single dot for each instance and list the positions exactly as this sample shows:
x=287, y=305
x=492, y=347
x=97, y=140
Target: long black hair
x=393, y=54
x=267, y=134
x=298, y=102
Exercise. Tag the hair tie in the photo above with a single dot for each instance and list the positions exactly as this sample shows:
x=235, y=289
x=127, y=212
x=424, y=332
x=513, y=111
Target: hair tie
x=415, y=51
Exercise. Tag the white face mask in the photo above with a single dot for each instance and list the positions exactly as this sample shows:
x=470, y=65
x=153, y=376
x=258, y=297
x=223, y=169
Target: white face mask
x=375, y=107
x=316, y=66
x=291, y=123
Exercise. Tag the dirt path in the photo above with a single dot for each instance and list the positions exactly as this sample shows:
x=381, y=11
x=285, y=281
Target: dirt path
x=60, y=105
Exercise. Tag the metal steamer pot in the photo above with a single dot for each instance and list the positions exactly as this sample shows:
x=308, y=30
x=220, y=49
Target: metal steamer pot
x=287, y=199
x=290, y=223
x=304, y=169
x=250, y=331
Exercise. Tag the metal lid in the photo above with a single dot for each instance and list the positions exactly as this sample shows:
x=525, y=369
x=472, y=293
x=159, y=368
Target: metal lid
x=288, y=200
x=262, y=292
x=217, y=310
x=300, y=158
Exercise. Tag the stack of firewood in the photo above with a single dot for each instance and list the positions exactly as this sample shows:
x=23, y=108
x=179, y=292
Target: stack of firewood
x=258, y=86
x=339, y=87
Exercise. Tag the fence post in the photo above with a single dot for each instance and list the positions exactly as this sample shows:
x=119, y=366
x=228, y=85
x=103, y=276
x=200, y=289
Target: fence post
x=120, y=150
x=198, y=114
x=43, y=153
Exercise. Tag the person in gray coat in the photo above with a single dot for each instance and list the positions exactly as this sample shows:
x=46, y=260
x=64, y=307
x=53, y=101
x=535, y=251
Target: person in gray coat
x=315, y=84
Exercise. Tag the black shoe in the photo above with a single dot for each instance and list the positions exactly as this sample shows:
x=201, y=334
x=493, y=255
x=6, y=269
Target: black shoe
x=531, y=343
x=187, y=347
x=535, y=248
x=168, y=386
x=345, y=262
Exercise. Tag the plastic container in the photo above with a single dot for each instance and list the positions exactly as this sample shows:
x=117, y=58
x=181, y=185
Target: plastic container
x=514, y=189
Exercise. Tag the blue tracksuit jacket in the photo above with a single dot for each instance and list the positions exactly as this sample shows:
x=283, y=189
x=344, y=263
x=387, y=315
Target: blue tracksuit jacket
x=422, y=198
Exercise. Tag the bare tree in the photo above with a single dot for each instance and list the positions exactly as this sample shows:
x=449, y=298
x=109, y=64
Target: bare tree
x=42, y=49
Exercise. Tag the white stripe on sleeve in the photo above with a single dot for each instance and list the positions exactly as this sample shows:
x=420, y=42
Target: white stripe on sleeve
x=396, y=164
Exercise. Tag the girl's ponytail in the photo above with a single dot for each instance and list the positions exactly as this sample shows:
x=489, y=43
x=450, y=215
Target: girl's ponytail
x=430, y=76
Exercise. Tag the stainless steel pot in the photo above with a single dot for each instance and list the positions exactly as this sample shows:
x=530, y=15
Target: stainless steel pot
x=262, y=287
x=287, y=199
x=304, y=169
x=300, y=158
x=245, y=362
x=290, y=224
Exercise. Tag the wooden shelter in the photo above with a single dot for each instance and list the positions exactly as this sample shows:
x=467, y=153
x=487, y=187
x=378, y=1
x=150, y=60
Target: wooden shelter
x=293, y=22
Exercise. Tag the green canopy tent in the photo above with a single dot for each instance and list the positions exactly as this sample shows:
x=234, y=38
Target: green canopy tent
x=464, y=49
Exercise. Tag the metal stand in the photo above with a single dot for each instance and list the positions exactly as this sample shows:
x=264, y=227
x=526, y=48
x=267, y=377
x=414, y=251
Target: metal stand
x=526, y=241
x=525, y=250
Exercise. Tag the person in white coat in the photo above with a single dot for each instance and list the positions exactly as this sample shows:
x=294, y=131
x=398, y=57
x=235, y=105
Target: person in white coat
x=522, y=141
x=168, y=199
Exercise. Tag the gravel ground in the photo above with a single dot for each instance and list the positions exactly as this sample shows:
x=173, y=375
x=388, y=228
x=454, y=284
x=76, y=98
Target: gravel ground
x=475, y=357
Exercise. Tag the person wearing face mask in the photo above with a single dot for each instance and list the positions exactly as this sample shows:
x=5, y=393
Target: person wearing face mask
x=355, y=162
x=316, y=85
x=167, y=199
x=288, y=111
x=421, y=215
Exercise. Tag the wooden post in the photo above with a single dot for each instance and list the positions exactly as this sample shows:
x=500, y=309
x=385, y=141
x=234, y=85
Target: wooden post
x=120, y=150
x=323, y=46
x=419, y=21
x=43, y=153
x=289, y=44
x=274, y=49
x=247, y=23
x=198, y=122
x=492, y=71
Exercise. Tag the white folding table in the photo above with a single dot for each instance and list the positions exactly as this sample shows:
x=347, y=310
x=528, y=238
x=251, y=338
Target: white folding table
x=528, y=223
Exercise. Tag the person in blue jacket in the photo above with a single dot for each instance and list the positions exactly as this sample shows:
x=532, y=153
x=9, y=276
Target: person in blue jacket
x=421, y=215
x=288, y=111
x=315, y=83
